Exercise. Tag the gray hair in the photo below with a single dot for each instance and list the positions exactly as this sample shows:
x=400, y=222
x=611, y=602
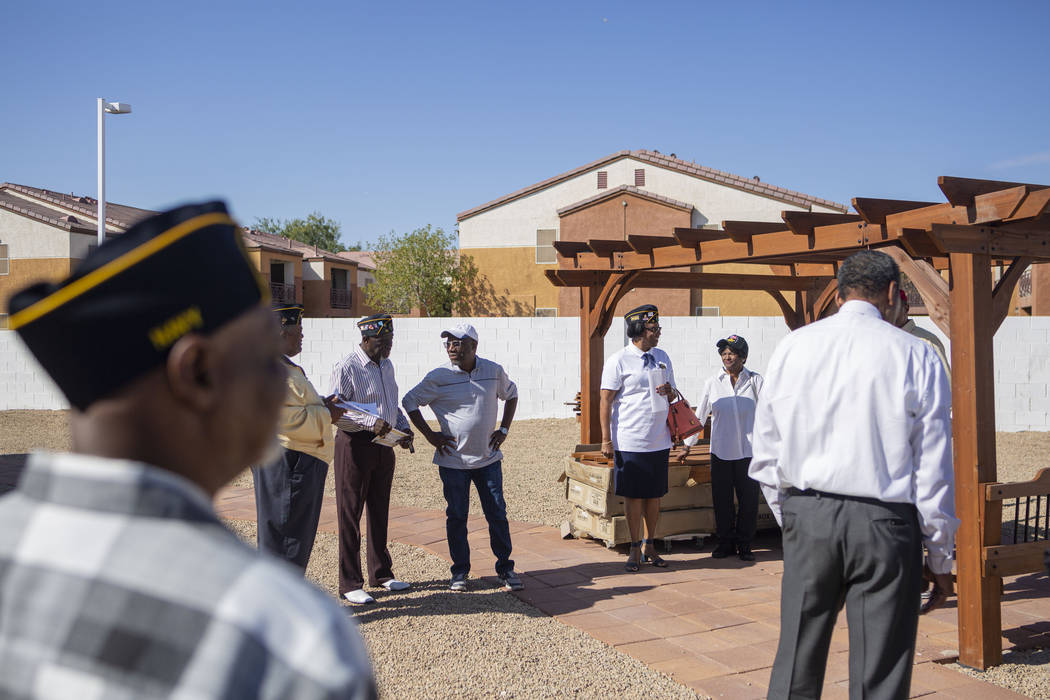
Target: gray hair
x=867, y=273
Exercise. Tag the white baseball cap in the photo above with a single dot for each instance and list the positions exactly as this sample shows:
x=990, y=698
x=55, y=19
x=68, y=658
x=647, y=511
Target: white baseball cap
x=463, y=330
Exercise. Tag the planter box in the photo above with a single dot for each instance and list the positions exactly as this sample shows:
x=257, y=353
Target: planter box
x=607, y=504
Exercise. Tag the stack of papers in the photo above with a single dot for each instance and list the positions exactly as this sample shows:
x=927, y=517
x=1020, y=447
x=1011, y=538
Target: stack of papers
x=355, y=413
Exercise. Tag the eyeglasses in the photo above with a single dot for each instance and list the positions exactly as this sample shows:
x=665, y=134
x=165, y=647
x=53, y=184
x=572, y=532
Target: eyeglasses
x=654, y=329
x=453, y=343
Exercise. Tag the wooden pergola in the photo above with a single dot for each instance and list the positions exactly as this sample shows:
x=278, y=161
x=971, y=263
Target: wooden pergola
x=983, y=224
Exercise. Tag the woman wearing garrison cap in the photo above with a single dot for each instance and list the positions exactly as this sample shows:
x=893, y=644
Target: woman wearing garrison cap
x=729, y=397
x=636, y=382
x=290, y=490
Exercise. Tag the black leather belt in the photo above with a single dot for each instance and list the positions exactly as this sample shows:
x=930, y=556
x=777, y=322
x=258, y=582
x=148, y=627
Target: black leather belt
x=813, y=493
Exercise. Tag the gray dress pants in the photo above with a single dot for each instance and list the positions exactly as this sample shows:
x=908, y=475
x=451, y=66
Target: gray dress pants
x=288, y=496
x=866, y=554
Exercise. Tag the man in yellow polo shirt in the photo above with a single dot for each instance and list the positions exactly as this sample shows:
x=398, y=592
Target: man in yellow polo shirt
x=289, y=491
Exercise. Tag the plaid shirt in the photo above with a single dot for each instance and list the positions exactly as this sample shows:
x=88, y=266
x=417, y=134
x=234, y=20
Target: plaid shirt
x=118, y=581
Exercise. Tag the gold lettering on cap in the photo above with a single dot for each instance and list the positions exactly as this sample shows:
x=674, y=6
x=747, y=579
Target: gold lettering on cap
x=164, y=335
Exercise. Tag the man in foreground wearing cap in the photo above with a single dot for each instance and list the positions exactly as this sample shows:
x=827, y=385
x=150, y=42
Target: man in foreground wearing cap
x=729, y=397
x=364, y=470
x=289, y=491
x=464, y=396
x=853, y=449
x=118, y=578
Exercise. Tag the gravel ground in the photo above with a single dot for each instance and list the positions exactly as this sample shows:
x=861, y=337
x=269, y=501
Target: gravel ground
x=535, y=451
x=1023, y=671
x=429, y=642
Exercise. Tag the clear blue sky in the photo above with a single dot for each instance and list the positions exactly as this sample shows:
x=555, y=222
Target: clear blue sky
x=388, y=116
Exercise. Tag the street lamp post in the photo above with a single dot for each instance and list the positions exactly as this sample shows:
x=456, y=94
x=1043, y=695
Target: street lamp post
x=104, y=108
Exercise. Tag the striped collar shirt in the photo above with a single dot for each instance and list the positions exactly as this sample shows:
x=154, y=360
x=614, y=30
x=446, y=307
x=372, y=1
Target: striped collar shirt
x=732, y=411
x=853, y=406
x=120, y=582
x=357, y=378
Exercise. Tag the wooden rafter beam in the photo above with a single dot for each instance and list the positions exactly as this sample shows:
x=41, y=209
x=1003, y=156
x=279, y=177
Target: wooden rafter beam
x=1035, y=204
x=661, y=279
x=767, y=247
x=645, y=244
x=691, y=237
x=569, y=249
x=802, y=223
x=742, y=231
x=875, y=211
x=607, y=247
x=961, y=191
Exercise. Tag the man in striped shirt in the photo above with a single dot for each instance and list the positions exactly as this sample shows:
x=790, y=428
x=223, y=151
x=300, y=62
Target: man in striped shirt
x=364, y=470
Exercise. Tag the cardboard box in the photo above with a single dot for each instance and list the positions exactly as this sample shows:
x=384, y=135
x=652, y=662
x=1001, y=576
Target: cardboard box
x=608, y=504
x=613, y=531
x=600, y=476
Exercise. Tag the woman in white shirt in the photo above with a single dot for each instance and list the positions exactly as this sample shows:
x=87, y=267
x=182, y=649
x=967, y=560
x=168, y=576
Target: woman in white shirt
x=636, y=382
x=730, y=397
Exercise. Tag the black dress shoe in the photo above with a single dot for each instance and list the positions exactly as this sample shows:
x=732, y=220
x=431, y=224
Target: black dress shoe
x=745, y=553
x=722, y=551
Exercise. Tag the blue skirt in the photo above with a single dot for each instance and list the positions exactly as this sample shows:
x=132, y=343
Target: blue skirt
x=641, y=474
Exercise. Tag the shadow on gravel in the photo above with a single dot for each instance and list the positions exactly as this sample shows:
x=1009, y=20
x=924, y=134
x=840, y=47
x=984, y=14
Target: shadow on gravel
x=433, y=597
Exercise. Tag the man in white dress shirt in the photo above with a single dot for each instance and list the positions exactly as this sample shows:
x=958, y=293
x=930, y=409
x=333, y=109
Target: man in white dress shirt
x=852, y=446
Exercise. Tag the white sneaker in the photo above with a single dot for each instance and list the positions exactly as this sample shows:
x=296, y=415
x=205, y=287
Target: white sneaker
x=358, y=597
x=395, y=585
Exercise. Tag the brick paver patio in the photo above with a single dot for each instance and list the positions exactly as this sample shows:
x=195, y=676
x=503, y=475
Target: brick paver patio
x=710, y=624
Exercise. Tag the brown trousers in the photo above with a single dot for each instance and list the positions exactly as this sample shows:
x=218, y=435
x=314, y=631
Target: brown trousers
x=364, y=473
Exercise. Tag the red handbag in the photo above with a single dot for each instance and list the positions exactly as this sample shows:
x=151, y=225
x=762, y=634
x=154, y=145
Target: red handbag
x=681, y=419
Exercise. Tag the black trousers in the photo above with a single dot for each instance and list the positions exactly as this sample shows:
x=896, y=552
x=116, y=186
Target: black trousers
x=865, y=554
x=734, y=525
x=288, y=497
x=364, y=473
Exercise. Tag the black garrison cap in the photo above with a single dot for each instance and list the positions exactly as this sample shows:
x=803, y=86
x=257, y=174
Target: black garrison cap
x=124, y=306
x=644, y=313
x=734, y=342
x=288, y=314
x=376, y=324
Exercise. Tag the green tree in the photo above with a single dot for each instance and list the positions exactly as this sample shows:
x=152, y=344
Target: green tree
x=315, y=229
x=423, y=270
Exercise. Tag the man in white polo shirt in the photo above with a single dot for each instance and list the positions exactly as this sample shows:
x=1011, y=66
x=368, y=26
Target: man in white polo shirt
x=464, y=396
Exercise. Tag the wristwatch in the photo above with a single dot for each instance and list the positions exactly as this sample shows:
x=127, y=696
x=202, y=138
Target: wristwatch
x=503, y=430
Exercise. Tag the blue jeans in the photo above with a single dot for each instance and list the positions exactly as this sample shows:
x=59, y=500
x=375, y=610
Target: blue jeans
x=489, y=483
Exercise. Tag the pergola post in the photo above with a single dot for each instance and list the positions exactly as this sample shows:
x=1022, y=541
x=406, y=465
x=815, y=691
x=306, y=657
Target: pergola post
x=973, y=434
x=592, y=357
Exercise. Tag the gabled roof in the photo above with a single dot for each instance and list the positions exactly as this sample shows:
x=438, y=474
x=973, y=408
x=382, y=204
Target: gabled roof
x=625, y=189
x=46, y=214
x=119, y=215
x=365, y=259
x=670, y=163
x=253, y=237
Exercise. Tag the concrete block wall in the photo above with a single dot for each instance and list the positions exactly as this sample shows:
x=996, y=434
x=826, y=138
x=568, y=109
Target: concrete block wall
x=542, y=356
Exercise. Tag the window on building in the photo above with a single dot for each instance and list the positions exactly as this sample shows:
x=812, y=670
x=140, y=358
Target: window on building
x=340, y=289
x=706, y=311
x=5, y=262
x=547, y=312
x=639, y=177
x=277, y=272
x=545, y=253
x=603, y=179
